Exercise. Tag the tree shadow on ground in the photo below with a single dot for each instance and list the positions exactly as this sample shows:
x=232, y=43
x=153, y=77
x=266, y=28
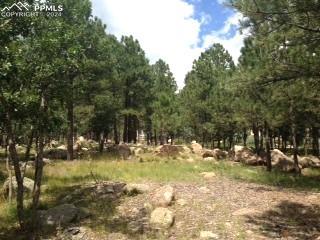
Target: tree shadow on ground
x=101, y=203
x=288, y=220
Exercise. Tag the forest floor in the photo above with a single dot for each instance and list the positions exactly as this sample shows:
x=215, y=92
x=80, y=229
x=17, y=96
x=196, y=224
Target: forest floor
x=238, y=202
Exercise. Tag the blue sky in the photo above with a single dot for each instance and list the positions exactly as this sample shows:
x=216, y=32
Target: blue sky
x=175, y=30
x=214, y=13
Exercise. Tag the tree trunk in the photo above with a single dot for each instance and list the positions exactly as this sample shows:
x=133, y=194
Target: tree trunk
x=155, y=138
x=315, y=141
x=8, y=170
x=125, y=129
x=267, y=143
x=115, y=131
x=256, y=138
x=17, y=171
x=245, y=137
x=261, y=141
x=102, y=141
x=295, y=149
x=38, y=169
x=29, y=145
x=70, y=129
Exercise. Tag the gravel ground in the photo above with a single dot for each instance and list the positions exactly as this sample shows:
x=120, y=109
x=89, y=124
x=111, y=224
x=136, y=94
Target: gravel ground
x=228, y=208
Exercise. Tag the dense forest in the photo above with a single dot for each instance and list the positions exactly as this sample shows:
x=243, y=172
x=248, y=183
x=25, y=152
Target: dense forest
x=65, y=77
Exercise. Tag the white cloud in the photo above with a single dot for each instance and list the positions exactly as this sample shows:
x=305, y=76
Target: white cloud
x=166, y=29
x=232, y=44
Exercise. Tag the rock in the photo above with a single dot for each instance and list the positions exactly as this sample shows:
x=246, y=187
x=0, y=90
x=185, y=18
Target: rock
x=208, y=235
x=282, y=162
x=215, y=153
x=169, y=150
x=73, y=233
x=307, y=172
x=207, y=153
x=124, y=151
x=209, y=159
x=148, y=207
x=136, y=188
x=62, y=147
x=208, y=175
x=163, y=196
x=245, y=212
x=136, y=219
x=238, y=148
x=53, y=144
x=47, y=161
x=108, y=190
x=196, y=147
x=60, y=215
x=138, y=151
x=219, y=154
x=309, y=161
x=204, y=190
x=246, y=156
x=27, y=186
x=186, y=150
x=181, y=202
x=161, y=218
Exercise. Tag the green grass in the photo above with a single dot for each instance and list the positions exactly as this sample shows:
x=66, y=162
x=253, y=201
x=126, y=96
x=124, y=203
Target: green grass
x=60, y=177
x=275, y=178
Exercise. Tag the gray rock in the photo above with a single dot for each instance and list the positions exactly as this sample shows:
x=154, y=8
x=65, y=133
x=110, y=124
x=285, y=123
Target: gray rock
x=196, y=147
x=27, y=185
x=208, y=235
x=282, y=162
x=163, y=196
x=61, y=215
x=247, y=156
x=161, y=218
x=136, y=188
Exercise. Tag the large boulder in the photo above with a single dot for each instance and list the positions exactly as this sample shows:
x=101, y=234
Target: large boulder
x=61, y=215
x=196, y=147
x=216, y=153
x=281, y=161
x=161, y=218
x=27, y=186
x=84, y=144
x=309, y=161
x=163, y=196
x=208, y=153
x=247, y=156
x=169, y=150
x=122, y=151
x=186, y=150
x=219, y=154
